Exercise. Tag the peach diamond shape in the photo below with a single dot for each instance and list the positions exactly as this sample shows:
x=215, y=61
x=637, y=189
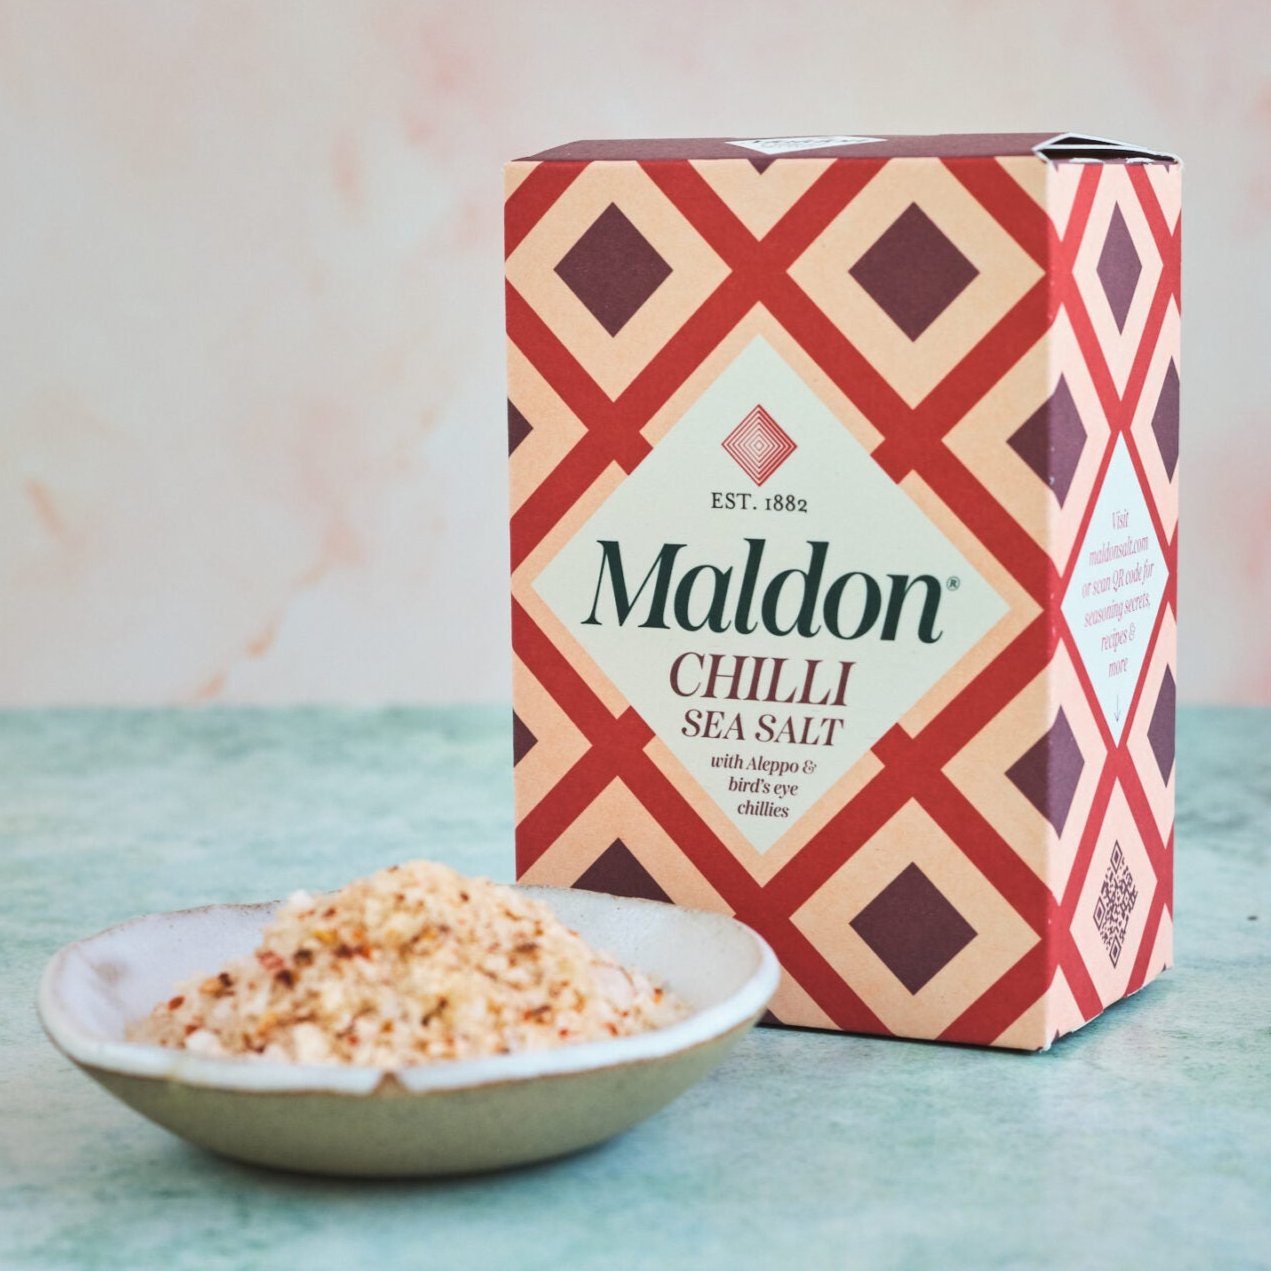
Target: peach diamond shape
x=759, y=445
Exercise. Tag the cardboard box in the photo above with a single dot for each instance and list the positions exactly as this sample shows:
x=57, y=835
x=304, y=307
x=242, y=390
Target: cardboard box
x=844, y=483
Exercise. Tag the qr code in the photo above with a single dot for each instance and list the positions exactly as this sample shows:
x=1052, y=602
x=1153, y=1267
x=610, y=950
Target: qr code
x=1115, y=904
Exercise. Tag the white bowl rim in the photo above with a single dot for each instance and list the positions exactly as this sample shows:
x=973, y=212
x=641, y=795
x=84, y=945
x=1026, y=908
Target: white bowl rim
x=254, y=1076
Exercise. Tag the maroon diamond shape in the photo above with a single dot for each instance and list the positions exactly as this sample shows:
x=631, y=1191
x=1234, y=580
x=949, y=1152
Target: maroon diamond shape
x=1160, y=732
x=759, y=445
x=1048, y=772
x=617, y=872
x=523, y=741
x=1165, y=421
x=518, y=428
x=912, y=928
x=613, y=269
x=913, y=272
x=1051, y=441
x=1119, y=268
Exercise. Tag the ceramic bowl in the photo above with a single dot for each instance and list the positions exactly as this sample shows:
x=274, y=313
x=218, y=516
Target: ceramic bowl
x=444, y=1118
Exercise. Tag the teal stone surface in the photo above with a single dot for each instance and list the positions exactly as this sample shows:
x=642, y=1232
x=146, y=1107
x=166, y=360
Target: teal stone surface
x=1144, y=1140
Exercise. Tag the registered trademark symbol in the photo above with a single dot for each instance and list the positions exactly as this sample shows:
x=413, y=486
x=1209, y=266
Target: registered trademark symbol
x=954, y=583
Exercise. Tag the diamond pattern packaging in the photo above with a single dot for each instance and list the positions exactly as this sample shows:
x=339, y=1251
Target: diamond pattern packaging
x=844, y=477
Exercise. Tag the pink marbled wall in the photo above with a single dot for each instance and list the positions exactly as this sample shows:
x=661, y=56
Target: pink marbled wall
x=251, y=406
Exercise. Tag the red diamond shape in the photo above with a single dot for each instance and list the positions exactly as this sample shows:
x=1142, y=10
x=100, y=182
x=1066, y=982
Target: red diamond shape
x=759, y=445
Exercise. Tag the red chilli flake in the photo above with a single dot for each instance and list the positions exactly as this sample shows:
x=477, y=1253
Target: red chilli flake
x=174, y=1002
x=437, y=1008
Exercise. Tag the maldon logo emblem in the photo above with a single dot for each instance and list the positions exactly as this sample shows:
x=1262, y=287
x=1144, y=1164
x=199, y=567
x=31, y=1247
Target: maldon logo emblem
x=759, y=445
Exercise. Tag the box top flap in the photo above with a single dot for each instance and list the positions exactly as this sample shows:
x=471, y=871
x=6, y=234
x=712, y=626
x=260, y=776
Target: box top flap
x=1083, y=148
x=1056, y=147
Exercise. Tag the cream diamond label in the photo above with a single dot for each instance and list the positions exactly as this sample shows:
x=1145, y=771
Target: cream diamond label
x=769, y=636
x=1116, y=589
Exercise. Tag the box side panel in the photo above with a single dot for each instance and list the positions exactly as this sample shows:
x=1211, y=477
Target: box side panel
x=903, y=307
x=1117, y=330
